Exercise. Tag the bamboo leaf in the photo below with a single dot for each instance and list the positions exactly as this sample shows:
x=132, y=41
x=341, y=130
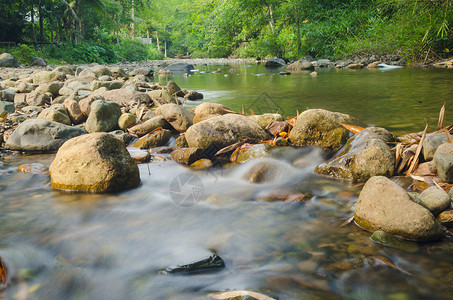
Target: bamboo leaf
x=352, y=128
x=417, y=153
x=440, y=124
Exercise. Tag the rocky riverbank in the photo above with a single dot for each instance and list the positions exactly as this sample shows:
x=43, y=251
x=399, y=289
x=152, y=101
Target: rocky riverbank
x=103, y=120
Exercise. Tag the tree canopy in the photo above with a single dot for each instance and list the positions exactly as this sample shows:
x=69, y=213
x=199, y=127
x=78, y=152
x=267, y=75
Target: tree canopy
x=239, y=28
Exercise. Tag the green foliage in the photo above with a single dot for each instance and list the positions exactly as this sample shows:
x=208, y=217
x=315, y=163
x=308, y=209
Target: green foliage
x=23, y=53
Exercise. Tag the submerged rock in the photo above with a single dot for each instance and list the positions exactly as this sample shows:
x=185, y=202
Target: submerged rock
x=384, y=205
x=389, y=240
x=365, y=155
x=41, y=136
x=210, y=264
x=322, y=128
x=96, y=162
x=222, y=131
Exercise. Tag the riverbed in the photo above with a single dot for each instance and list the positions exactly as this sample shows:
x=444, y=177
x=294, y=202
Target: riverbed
x=60, y=245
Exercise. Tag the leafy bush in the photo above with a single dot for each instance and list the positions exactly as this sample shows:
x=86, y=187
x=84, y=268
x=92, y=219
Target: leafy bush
x=23, y=53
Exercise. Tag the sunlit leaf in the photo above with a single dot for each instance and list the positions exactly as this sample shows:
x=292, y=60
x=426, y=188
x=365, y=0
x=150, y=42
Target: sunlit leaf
x=352, y=128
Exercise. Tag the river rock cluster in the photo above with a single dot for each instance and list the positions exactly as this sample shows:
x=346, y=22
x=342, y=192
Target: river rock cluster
x=102, y=121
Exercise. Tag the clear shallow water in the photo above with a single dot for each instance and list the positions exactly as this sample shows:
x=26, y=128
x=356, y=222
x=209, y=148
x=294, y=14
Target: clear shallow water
x=76, y=246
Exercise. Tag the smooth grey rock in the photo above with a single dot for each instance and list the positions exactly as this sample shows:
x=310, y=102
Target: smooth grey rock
x=48, y=76
x=431, y=143
x=51, y=87
x=179, y=67
x=8, y=61
x=274, y=63
x=148, y=72
x=219, y=132
x=41, y=136
x=7, y=95
x=38, y=62
x=6, y=108
x=103, y=116
x=365, y=155
x=434, y=199
x=384, y=205
x=96, y=162
x=443, y=159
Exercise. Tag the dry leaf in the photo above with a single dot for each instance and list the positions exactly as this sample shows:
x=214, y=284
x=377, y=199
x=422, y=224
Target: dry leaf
x=440, y=124
x=417, y=153
x=3, y=273
x=448, y=135
x=348, y=221
x=388, y=263
x=233, y=294
x=352, y=128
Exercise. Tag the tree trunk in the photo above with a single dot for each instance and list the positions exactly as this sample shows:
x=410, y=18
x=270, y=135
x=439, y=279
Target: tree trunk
x=165, y=45
x=33, y=35
x=133, y=17
x=299, y=46
x=157, y=41
x=41, y=22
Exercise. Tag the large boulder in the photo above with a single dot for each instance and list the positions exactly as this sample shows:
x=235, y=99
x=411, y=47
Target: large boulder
x=222, y=131
x=443, y=160
x=300, y=65
x=96, y=162
x=365, y=155
x=103, y=116
x=8, y=61
x=41, y=136
x=179, y=67
x=125, y=95
x=38, y=62
x=274, y=63
x=179, y=117
x=145, y=71
x=322, y=128
x=384, y=205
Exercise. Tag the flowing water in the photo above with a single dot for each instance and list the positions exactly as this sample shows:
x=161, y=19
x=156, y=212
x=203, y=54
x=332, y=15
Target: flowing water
x=61, y=245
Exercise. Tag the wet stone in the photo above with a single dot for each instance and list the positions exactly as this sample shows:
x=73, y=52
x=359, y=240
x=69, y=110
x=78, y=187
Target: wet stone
x=389, y=240
x=446, y=218
x=211, y=264
x=33, y=168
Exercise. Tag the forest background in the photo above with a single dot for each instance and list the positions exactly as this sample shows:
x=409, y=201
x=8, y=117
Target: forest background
x=109, y=31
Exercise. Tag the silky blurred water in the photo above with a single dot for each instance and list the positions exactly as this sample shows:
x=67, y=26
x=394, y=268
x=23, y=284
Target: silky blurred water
x=60, y=245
